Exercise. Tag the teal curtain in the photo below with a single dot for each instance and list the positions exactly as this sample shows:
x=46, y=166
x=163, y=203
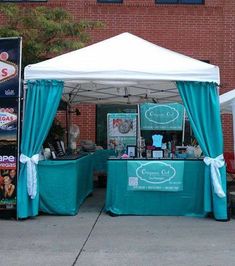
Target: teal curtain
x=202, y=105
x=42, y=101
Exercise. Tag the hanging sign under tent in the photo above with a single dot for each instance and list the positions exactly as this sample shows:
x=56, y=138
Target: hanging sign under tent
x=168, y=116
x=161, y=117
x=122, y=128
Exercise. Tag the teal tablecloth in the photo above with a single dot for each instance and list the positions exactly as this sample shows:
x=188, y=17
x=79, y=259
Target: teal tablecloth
x=64, y=184
x=188, y=202
x=100, y=160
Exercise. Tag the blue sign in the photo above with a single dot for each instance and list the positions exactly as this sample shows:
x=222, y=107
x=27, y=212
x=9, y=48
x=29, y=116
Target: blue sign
x=155, y=175
x=10, y=60
x=161, y=116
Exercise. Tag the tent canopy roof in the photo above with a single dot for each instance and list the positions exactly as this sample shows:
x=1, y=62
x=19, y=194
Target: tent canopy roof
x=226, y=101
x=122, y=69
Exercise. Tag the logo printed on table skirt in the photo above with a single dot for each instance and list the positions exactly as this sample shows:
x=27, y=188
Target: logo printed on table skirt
x=155, y=176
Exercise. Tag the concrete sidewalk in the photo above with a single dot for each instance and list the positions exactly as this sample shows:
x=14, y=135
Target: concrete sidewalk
x=94, y=238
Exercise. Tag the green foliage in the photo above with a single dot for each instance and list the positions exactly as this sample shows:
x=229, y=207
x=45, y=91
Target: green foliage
x=46, y=32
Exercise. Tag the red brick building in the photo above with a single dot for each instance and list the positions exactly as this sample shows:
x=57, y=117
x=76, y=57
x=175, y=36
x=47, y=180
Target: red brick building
x=204, y=30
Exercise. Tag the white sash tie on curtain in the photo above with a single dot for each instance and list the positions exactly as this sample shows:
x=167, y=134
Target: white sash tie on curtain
x=31, y=173
x=215, y=164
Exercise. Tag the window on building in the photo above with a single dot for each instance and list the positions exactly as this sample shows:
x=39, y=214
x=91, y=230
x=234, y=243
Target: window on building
x=16, y=1
x=179, y=1
x=109, y=1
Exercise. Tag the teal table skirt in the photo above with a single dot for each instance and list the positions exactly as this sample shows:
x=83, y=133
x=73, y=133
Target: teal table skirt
x=63, y=185
x=187, y=202
x=100, y=160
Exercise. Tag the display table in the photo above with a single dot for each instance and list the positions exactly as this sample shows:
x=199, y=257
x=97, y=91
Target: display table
x=100, y=165
x=183, y=199
x=100, y=160
x=64, y=184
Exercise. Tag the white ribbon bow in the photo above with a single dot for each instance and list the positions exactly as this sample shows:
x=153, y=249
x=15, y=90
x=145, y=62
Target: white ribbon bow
x=31, y=173
x=215, y=164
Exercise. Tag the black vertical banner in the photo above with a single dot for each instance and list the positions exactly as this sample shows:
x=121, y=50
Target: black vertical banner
x=10, y=68
x=8, y=152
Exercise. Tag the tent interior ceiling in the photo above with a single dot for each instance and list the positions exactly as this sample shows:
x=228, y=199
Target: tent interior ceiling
x=132, y=93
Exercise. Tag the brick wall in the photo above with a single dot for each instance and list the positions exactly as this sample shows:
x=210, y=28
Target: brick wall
x=227, y=65
x=201, y=31
x=85, y=121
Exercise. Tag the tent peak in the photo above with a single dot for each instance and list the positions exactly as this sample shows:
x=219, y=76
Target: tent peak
x=123, y=57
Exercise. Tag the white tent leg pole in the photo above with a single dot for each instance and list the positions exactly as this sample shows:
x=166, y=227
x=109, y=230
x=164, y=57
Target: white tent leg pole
x=233, y=110
x=138, y=131
x=183, y=132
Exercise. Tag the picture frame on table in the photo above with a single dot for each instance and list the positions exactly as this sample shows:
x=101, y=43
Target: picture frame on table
x=131, y=151
x=157, y=154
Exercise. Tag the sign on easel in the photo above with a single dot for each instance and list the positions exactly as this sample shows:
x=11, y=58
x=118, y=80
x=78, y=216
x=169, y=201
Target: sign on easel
x=121, y=129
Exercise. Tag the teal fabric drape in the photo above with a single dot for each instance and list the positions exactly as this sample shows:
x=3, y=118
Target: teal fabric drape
x=202, y=105
x=42, y=101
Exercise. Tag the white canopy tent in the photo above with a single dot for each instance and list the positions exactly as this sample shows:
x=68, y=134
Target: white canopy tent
x=227, y=106
x=122, y=69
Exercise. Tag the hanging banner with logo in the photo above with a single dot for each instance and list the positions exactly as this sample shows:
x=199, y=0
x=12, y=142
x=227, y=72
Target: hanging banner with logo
x=161, y=116
x=121, y=129
x=10, y=56
x=155, y=175
x=8, y=152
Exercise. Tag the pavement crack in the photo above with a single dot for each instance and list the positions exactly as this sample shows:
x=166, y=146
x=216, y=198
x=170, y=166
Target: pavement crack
x=88, y=236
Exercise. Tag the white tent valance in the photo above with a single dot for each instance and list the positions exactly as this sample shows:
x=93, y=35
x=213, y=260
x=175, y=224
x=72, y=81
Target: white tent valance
x=122, y=69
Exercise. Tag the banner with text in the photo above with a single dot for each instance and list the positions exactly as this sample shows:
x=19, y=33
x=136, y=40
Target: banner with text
x=161, y=116
x=8, y=152
x=10, y=60
x=121, y=129
x=155, y=175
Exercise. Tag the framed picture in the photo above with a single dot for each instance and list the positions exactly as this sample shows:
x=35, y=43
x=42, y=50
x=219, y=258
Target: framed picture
x=157, y=154
x=131, y=151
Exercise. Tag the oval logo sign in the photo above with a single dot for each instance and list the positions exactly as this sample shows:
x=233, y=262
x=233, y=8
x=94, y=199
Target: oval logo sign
x=162, y=114
x=156, y=174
